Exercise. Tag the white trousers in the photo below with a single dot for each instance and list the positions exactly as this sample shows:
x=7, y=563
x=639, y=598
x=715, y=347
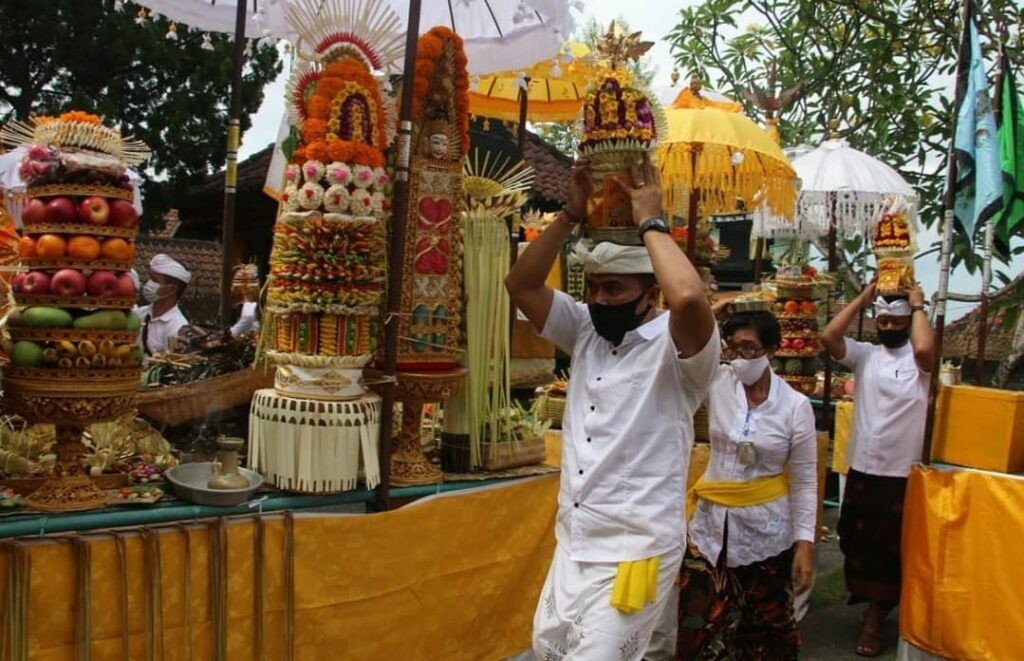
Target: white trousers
x=575, y=620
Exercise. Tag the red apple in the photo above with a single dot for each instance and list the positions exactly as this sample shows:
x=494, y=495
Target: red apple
x=798, y=344
x=34, y=212
x=786, y=343
x=94, y=210
x=103, y=283
x=123, y=214
x=68, y=283
x=61, y=210
x=125, y=285
x=17, y=282
x=35, y=282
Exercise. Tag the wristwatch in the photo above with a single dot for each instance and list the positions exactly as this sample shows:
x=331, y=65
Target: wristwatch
x=653, y=224
x=916, y=308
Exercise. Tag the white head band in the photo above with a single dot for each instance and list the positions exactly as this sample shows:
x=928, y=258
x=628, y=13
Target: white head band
x=898, y=308
x=608, y=257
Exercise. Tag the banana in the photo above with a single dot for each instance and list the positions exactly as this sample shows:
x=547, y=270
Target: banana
x=66, y=349
x=86, y=348
x=106, y=348
x=50, y=356
x=65, y=363
x=99, y=360
x=124, y=351
x=83, y=363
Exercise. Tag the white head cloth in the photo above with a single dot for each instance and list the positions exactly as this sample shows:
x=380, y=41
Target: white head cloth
x=165, y=265
x=898, y=308
x=606, y=257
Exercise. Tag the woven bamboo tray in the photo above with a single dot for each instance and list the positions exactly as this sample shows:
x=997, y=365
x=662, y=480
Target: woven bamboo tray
x=94, y=302
x=551, y=408
x=37, y=263
x=80, y=190
x=71, y=334
x=81, y=228
x=501, y=456
x=174, y=405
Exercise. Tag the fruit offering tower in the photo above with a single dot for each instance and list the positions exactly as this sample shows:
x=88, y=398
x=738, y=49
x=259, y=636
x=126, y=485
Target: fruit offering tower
x=328, y=263
x=894, y=245
x=621, y=123
x=796, y=308
x=74, y=356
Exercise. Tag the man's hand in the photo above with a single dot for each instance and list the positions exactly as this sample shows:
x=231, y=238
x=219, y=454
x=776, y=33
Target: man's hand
x=916, y=296
x=645, y=194
x=803, y=567
x=581, y=184
x=867, y=295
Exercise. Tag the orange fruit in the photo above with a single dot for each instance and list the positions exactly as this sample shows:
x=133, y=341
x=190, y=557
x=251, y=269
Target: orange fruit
x=84, y=247
x=27, y=247
x=808, y=307
x=791, y=307
x=118, y=249
x=51, y=246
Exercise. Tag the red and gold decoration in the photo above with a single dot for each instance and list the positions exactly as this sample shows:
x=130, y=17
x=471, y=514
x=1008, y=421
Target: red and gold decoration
x=430, y=314
x=74, y=353
x=328, y=263
x=894, y=244
x=796, y=307
x=621, y=123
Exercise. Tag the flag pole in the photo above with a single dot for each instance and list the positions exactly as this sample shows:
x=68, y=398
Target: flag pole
x=990, y=237
x=947, y=235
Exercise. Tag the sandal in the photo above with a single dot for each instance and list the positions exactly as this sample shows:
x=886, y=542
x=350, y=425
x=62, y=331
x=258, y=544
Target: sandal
x=869, y=643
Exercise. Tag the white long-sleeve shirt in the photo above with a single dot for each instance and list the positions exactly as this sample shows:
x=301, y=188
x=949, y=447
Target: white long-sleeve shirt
x=248, y=321
x=626, y=437
x=782, y=431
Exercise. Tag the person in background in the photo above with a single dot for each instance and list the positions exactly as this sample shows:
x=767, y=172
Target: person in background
x=162, y=318
x=245, y=287
x=638, y=375
x=754, y=511
x=886, y=438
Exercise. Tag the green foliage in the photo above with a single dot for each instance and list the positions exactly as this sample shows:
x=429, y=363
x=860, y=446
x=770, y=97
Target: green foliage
x=884, y=69
x=172, y=95
x=565, y=136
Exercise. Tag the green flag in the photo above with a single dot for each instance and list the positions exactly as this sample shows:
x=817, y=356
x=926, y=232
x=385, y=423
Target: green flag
x=1011, y=154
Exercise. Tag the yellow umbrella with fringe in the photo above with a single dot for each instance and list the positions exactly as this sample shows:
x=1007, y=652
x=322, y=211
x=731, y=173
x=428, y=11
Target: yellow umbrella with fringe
x=715, y=159
x=554, y=88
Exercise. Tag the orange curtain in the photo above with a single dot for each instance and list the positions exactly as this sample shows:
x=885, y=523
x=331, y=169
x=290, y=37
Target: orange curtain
x=962, y=574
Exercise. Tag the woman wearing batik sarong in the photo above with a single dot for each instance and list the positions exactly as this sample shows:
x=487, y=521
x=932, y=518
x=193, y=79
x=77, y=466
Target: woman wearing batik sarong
x=752, y=531
x=886, y=438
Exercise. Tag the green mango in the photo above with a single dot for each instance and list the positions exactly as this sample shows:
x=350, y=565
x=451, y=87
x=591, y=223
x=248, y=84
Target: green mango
x=134, y=321
x=27, y=354
x=103, y=320
x=43, y=317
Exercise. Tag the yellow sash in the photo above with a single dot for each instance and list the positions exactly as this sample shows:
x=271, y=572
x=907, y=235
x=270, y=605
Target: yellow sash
x=636, y=585
x=737, y=494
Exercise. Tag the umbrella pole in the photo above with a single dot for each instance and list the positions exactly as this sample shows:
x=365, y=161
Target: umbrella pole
x=513, y=227
x=227, y=239
x=396, y=250
x=691, y=220
x=826, y=399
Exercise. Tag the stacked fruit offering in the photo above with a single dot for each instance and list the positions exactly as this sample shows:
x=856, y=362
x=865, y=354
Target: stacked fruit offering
x=796, y=360
x=74, y=357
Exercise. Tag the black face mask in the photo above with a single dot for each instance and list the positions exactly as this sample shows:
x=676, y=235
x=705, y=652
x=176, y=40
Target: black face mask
x=893, y=339
x=612, y=322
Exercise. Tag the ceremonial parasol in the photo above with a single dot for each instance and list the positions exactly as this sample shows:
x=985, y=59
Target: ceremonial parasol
x=720, y=160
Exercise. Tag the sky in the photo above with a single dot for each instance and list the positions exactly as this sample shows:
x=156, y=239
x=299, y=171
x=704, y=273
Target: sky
x=654, y=19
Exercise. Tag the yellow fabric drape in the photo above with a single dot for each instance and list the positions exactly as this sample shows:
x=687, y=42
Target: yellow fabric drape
x=844, y=420
x=962, y=573
x=452, y=577
x=636, y=585
x=737, y=494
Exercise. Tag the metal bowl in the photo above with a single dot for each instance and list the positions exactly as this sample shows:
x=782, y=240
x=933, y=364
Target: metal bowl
x=189, y=481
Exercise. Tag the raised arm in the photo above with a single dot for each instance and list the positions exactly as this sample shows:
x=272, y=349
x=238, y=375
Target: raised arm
x=921, y=336
x=691, y=321
x=833, y=337
x=526, y=281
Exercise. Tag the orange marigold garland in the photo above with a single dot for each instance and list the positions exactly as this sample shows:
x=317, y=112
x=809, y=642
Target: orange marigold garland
x=429, y=67
x=318, y=107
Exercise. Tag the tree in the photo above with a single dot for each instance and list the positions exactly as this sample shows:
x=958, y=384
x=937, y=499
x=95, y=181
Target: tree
x=883, y=68
x=172, y=95
x=565, y=136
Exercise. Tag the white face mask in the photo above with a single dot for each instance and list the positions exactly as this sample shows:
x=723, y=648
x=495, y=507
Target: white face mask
x=749, y=371
x=151, y=291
